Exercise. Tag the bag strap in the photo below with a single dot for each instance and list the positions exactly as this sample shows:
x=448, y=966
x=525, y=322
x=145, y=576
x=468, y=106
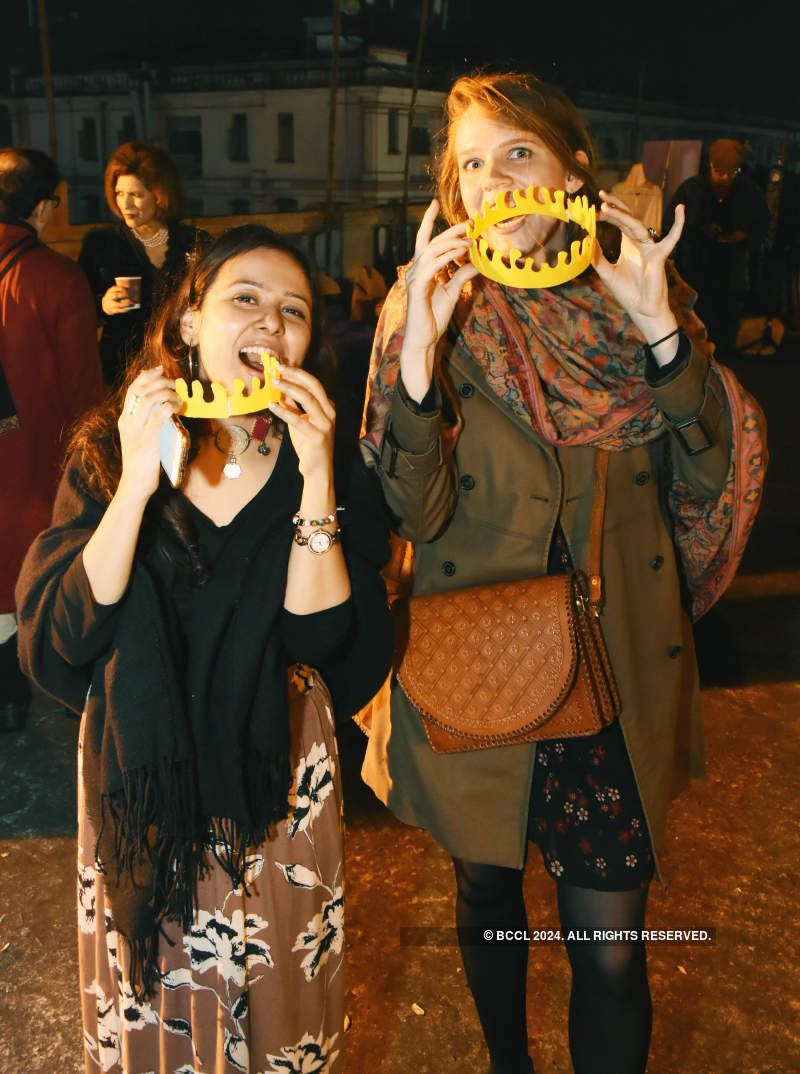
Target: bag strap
x=596, y=529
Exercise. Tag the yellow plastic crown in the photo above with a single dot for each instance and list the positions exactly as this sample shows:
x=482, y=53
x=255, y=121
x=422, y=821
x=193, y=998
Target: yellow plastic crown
x=543, y=202
x=224, y=405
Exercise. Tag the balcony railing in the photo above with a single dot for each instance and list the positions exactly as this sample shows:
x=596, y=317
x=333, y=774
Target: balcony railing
x=265, y=74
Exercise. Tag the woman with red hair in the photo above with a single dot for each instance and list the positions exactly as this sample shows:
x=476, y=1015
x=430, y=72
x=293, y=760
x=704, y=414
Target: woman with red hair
x=491, y=407
x=144, y=189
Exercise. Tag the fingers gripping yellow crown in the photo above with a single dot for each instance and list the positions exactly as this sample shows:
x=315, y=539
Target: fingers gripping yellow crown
x=520, y=271
x=223, y=405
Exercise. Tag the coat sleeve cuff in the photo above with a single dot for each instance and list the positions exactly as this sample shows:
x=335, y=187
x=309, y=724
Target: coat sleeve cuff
x=412, y=439
x=681, y=391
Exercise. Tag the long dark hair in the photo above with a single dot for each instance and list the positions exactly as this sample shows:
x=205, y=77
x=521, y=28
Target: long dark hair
x=96, y=439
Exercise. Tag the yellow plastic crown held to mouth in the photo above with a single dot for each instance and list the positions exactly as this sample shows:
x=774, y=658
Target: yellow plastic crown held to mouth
x=514, y=270
x=224, y=405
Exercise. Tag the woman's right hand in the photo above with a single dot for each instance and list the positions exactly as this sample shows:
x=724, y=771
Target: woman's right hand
x=115, y=300
x=432, y=296
x=150, y=401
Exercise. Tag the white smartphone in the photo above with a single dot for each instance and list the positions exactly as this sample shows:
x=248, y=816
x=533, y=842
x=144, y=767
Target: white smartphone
x=173, y=449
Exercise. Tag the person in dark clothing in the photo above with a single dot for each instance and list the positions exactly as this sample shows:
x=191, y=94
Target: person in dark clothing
x=144, y=189
x=210, y=842
x=726, y=221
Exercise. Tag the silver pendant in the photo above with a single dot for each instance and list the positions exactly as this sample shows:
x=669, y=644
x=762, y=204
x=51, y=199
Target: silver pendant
x=231, y=469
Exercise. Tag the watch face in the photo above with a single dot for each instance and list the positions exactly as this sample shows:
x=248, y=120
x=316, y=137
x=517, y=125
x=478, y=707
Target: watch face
x=320, y=541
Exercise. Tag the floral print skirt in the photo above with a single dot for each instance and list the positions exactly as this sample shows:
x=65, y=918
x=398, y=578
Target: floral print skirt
x=257, y=984
x=586, y=814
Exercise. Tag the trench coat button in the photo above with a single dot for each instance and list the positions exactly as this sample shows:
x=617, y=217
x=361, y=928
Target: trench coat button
x=674, y=651
x=642, y=477
x=467, y=482
x=657, y=562
x=448, y=568
x=466, y=390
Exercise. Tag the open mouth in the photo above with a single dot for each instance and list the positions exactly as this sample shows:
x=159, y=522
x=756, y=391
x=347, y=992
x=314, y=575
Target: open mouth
x=515, y=268
x=511, y=224
x=255, y=357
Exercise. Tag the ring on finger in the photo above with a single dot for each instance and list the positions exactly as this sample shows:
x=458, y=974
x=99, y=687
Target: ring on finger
x=133, y=404
x=652, y=235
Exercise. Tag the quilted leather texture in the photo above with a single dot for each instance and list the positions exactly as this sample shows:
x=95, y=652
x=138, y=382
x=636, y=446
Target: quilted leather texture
x=507, y=662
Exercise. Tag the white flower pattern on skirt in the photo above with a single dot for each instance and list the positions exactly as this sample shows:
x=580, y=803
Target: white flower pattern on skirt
x=311, y=1055
x=322, y=935
x=227, y=945
x=233, y=995
x=312, y=783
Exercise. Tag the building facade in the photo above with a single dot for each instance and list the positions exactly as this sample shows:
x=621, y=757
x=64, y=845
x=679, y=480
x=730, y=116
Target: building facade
x=253, y=138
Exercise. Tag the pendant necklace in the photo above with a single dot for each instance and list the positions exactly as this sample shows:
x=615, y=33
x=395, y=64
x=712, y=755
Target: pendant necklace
x=233, y=440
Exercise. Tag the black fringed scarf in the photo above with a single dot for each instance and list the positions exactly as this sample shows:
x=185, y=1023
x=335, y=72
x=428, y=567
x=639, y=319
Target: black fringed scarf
x=157, y=773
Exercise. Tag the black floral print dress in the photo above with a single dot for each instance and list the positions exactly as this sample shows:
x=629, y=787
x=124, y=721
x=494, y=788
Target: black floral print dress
x=585, y=811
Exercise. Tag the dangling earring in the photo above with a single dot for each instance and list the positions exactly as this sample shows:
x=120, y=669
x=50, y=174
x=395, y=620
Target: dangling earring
x=194, y=371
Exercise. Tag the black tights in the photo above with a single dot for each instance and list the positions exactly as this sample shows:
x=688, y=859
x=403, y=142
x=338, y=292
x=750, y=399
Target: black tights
x=610, y=1013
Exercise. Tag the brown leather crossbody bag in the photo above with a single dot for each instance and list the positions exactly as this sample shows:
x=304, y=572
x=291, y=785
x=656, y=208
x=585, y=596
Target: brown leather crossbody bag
x=517, y=661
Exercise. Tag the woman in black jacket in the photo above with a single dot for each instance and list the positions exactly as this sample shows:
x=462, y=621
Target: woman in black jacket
x=144, y=189
x=210, y=853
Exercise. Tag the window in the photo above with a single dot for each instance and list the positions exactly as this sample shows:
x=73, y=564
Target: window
x=185, y=143
x=87, y=139
x=393, y=145
x=238, y=148
x=420, y=142
x=286, y=137
x=91, y=208
x=127, y=130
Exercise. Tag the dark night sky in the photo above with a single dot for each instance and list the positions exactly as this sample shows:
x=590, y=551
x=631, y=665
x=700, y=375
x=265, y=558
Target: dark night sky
x=738, y=57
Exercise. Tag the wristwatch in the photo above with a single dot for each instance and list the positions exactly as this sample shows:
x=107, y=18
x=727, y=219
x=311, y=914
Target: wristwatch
x=318, y=542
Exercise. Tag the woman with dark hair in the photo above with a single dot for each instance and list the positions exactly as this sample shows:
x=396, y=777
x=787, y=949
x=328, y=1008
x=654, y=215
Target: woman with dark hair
x=144, y=189
x=192, y=627
x=490, y=408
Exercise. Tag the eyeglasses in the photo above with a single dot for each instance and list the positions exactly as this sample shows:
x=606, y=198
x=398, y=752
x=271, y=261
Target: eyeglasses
x=56, y=200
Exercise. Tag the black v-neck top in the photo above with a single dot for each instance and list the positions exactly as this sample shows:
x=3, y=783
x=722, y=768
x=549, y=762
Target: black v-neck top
x=217, y=624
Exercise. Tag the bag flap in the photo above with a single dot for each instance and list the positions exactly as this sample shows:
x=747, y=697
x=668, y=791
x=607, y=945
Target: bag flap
x=491, y=659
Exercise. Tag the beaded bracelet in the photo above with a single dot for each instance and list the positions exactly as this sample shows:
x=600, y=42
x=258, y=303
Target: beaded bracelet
x=298, y=521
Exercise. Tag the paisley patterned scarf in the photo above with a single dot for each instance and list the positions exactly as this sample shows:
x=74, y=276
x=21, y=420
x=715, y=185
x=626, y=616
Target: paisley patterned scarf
x=570, y=363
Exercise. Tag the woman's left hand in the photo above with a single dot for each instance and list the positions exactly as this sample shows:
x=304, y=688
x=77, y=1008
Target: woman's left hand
x=637, y=279
x=311, y=428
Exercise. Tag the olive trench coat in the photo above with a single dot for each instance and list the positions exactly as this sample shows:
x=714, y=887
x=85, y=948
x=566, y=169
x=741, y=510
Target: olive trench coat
x=485, y=513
